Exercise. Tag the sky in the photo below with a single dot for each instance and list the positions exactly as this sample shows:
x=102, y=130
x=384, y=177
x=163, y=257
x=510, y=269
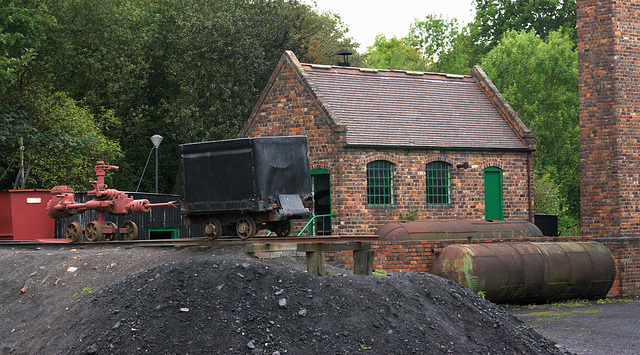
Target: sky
x=368, y=18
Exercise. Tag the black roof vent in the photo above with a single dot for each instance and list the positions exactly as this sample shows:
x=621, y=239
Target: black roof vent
x=345, y=57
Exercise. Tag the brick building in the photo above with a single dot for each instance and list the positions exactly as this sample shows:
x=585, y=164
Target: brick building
x=609, y=66
x=391, y=145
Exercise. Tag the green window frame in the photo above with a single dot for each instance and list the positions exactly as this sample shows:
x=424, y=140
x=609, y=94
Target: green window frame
x=438, y=175
x=380, y=183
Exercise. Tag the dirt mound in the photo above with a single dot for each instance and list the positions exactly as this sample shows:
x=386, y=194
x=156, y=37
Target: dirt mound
x=166, y=301
x=218, y=305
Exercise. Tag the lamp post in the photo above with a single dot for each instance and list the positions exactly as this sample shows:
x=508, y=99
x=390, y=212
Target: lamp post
x=156, y=140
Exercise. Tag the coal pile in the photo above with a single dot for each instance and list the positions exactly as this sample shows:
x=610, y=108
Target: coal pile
x=234, y=306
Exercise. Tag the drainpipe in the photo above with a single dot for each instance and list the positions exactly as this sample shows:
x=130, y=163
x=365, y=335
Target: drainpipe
x=529, y=183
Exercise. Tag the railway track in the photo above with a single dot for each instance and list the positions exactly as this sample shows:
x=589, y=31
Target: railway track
x=190, y=241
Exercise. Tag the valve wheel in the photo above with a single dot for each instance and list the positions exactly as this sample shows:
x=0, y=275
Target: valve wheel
x=213, y=229
x=246, y=228
x=73, y=232
x=93, y=231
x=283, y=229
x=110, y=236
x=131, y=231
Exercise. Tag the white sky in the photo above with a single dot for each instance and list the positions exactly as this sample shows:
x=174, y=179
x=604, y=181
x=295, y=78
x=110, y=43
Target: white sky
x=368, y=18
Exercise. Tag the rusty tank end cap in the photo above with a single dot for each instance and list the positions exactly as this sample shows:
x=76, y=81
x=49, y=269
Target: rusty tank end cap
x=392, y=232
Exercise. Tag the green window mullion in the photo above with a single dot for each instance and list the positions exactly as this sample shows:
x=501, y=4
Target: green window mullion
x=380, y=183
x=438, y=174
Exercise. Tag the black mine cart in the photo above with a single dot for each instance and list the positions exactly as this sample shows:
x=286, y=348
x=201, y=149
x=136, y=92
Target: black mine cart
x=247, y=184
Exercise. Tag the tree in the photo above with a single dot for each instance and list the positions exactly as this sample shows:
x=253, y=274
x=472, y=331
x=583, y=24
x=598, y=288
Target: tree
x=394, y=53
x=496, y=17
x=188, y=70
x=327, y=33
x=539, y=78
x=22, y=29
x=465, y=52
x=433, y=36
x=63, y=141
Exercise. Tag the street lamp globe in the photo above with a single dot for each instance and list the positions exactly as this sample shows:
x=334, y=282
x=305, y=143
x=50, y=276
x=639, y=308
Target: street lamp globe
x=156, y=140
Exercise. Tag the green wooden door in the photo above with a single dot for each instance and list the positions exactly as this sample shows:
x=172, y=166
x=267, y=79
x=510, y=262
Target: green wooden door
x=493, y=194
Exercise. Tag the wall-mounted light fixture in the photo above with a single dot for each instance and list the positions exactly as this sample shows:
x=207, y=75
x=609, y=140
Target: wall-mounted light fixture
x=464, y=165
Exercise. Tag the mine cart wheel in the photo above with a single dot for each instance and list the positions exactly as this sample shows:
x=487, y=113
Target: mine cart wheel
x=283, y=229
x=73, y=232
x=246, y=227
x=213, y=228
x=110, y=236
x=93, y=231
x=131, y=231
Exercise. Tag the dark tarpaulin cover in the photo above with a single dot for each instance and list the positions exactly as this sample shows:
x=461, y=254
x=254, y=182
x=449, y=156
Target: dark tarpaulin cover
x=246, y=174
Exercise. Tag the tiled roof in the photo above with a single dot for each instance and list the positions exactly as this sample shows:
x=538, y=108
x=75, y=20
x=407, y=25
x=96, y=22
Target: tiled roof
x=396, y=108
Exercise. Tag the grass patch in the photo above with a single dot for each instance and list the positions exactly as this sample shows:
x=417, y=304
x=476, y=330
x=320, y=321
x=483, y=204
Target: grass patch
x=379, y=272
x=85, y=290
x=559, y=314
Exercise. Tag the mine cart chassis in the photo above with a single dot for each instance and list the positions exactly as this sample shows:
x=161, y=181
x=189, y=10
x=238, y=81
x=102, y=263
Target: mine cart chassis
x=246, y=225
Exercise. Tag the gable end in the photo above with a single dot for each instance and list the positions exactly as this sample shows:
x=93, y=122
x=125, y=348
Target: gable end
x=503, y=107
x=289, y=60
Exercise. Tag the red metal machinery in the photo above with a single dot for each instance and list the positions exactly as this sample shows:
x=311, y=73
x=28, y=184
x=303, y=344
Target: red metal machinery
x=63, y=205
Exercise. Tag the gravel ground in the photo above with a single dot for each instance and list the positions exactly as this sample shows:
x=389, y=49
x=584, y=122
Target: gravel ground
x=106, y=300
x=589, y=328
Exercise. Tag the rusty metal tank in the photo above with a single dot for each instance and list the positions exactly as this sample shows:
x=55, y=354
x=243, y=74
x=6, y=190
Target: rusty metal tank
x=457, y=229
x=523, y=273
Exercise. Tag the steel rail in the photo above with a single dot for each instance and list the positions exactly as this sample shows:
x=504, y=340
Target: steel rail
x=193, y=241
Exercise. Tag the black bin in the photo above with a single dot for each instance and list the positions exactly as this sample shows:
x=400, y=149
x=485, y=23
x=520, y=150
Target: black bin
x=548, y=224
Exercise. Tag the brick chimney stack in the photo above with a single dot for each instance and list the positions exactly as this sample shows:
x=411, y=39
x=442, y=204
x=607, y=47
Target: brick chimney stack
x=609, y=66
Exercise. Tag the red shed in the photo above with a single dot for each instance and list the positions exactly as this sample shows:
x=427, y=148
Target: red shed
x=23, y=215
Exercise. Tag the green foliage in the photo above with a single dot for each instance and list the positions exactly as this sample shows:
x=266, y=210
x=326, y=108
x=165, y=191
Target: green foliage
x=463, y=54
x=410, y=216
x=14, y=124
x=67, y=144
x=187, y=70
x=327, y=33
x=605, y=301
x=539, y=78
x=494, y=18
x=85, y=290
x=433, y=36
x=377, y=272
x=546, y=194
x=22, y=29
x=576, y=302
x=482, y=294
x=394, y=53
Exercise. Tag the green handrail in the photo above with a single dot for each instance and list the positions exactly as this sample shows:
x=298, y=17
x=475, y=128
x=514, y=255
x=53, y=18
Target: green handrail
x=314, y=217
x=309, y=223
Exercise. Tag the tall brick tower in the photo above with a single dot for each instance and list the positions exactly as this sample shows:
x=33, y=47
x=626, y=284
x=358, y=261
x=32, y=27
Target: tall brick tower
x=609, y=65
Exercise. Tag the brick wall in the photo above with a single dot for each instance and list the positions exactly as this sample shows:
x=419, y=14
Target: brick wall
x=290, y=107
x=626, y=252
x=467, y=187
x=609, y=89
x=417, y=256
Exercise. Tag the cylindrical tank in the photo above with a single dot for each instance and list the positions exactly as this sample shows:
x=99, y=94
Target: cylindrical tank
x=521, y=273
x=457, y=229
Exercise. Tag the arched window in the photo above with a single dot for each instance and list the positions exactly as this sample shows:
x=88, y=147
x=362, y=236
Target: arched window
x=438, y=183
x=380, y=183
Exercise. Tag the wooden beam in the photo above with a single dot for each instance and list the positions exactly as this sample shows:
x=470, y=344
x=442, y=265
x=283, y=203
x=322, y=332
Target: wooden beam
x=261, y=248
x=362, y=256
x=305, y=247
x=363, y=262
x=316, y=264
